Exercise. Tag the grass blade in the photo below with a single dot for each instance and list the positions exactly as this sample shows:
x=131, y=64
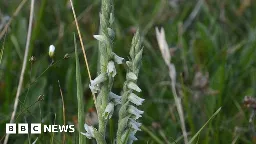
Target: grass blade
x=194, y=137
x=152, y=135
x=63, y=112
x=24, y=64
x=80, y=101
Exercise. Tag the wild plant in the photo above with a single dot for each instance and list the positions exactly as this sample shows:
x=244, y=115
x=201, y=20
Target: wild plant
x=101, y=87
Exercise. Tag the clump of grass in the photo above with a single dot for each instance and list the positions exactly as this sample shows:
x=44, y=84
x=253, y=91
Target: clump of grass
x=23, y=67
x=160, y=35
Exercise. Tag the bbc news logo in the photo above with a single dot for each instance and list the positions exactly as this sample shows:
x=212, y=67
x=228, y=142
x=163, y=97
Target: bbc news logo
x=37, y=128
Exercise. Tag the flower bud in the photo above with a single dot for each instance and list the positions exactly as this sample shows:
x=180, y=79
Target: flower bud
x=131, y=76
x=101, y=38
x=133, y=86
x=118, y=59
x=111, y=69
x=115, y=98
x=109, y=111
x=136, y=112
x=135, y=99
x=51, y=50
x=89, y=131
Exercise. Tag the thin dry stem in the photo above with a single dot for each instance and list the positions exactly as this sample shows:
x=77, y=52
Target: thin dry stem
x=172, y=73
x=2, y=50
x=82, y=44
x=14, y=15
x=23, y=67
x=193, y=14
x=63, y=112
x=180, y=112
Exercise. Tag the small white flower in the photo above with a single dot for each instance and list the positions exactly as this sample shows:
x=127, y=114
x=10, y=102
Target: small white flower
x=133, y=86
x=118, y=59
x=135, y=99
x=111, y=18
x=135, y=125
x=117, y=98
x=136, y=112
x=131, y=76
x=111, y=69
x=99, y=79
x=51, y=50
x=109, y=111
x=89, y=131
x=129, y=64
x=101, y=38
x=111, y=33
x=94, y=86
x=131, y=136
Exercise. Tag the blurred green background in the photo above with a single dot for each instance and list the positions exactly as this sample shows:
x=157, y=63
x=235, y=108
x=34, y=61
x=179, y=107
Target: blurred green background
x=214, y=52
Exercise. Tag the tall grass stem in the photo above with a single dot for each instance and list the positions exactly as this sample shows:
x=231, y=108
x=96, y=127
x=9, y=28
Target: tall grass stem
x=82, y=46
x=23, y=67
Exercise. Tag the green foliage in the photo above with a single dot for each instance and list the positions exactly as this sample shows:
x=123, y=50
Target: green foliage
x=220, y=41
x=80, y=100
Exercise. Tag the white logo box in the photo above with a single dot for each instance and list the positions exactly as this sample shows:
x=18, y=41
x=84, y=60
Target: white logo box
x=11, y=128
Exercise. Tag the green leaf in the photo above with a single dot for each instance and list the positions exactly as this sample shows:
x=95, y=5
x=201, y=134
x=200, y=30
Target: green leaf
x=80, y=100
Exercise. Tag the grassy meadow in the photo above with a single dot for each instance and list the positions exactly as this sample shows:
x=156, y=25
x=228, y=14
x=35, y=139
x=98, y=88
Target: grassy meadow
x=213, y=48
